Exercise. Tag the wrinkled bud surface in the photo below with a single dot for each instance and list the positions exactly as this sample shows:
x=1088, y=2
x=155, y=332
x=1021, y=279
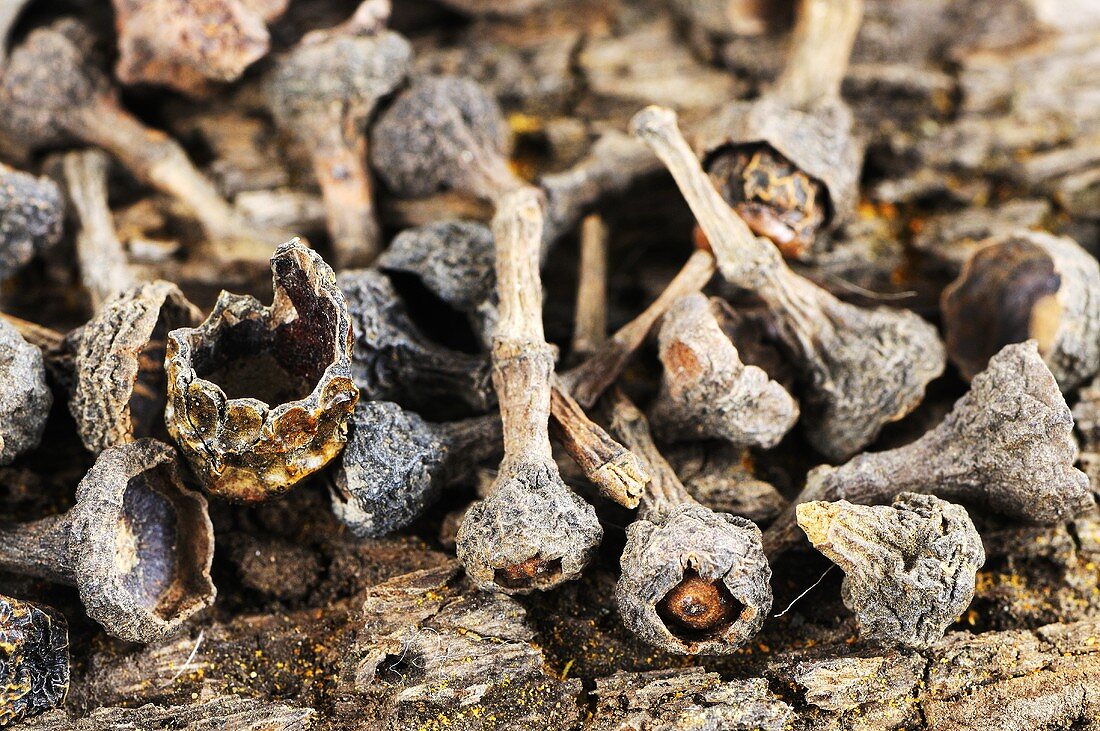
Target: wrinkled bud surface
x=908, y=568
x=259, y=397
x=34, y=660
x=31, y=218
x=25, y=399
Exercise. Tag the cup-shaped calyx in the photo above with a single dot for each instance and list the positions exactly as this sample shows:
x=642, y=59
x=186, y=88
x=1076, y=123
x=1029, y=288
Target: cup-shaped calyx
x=138, y=545
x=908, y=568
x=531, y=532
x=862, y=368
x=693, y=582
x=444, y=133
x=396, y=465
x=186, y=46
x=1007, y=446
x=25, y=398
x=707, y=392
x=259, y=397
x=323, y=92
x=34, y=660
x=120, y=388
x=1027, y=285
x=393, y=360
x=31, y=216
x=789, y=162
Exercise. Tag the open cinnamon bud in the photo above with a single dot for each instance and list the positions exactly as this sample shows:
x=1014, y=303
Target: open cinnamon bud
x=34, y=660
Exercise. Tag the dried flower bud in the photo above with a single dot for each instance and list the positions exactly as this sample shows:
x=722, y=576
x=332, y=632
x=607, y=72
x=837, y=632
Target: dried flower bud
x=120, y=389
x=707, y=392
x=25, y=399
x=394, y=360
x=721, y=477
x=31, y=218
x=396, y=465
x=34, y=660
x=137, y=544
x=259, y=397
x=908, y=569
x=443, y=133
x=1027, y=284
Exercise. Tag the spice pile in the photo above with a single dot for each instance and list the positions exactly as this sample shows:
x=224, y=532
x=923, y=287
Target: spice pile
x=600, y=335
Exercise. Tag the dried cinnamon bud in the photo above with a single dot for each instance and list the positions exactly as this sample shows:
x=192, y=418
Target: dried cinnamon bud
x=722, y=478
x=25, y=398
x=531, y=532
x=31, y=217
x=1026, y=285
x=707, y=392
x=396, y=465
x=908, y=568
x=34, y=660
x=1007, y=446
x=259, y=397
x=137, y=544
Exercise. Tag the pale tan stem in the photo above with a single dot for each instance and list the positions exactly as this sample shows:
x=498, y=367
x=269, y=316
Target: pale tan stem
x=824, y=34
x=590, y=326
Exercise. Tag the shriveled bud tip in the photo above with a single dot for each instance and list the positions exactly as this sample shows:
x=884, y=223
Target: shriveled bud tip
x=815, y=519
x=652, y=120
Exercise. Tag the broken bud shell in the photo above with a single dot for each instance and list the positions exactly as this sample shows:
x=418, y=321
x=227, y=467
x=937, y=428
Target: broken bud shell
x=707, y=392
x=120, y=390
x=396, y=465
x=34, y=660
x=31, y=217
x=259, y=397
x=1026, y=285
x=137, y=544
x=25, y=398
x=909, y=568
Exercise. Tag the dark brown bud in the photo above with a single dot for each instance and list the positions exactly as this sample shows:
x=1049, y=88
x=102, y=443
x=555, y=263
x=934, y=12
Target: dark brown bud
x=1021, y=286
x=34, y=660
x=722, y=478
x=25, y=399
x=31, y=217
x=259, y=397
x=444, y=134
x=323, y=92
x=908, y=568
x=396, y=465
x=138, y=545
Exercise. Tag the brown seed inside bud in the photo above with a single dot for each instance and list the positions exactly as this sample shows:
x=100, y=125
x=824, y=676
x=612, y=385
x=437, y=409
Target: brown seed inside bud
x=696, y=607
x=532, y=572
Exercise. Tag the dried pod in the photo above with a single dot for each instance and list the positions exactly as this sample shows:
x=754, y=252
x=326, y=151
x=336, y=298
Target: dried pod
x=531, y=532
x=1007, y=446
x=137, y=544
x=454, y=260
x=34, y=660
x=396, y=465
x=50, y=95
x=721, y=477
x=862, y=368
x=120, y=389
x=394, y=360
x=187, y=45
x=693, y=582
x=789, y=162
x=443, y=133
x=707, y=392
x=323, y=92
x=908, y=568
x=25, y=399
x=259, y=397
x=31, y=217
x=1026, y=285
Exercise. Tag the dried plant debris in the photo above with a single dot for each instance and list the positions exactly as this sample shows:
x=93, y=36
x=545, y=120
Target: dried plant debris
x=393, y=360
x=31, y=217
x=1027, y=285
x=531, y=532
x=209, y=714
x=444, y=133
x=259, y=397
x=120, y=390
x=137, y=544
x=25, y=399
x=722, y=478
x=34, y=660
x=396, y=465
x=1006, y=446
x=693, y=581
x=188, y=45
x=908, y=568
x=862, y=368
x=323, y=93
x=707, y=392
